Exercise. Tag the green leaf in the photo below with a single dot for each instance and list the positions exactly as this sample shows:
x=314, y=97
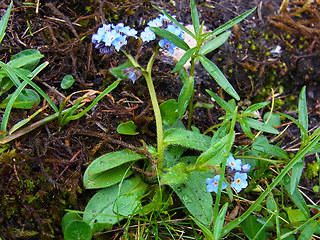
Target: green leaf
x=296, y=197
x=218, y=224
x=67, y=82
x=185, y=95
x=261, y=144
x=214, y=44
x=309, y=230
x=25, y=100
x=4, y=22
x=184, y=59
x=295, y=215
x=183, y=75
x=205, y=230
x=172, y=154
x=107, y=178
x=112, y=204
x=127, y=128
x=118, y=71
x=218, y=76
x=169, y=111
x=222, y=103
x=195, y=18
x=111, y=160
x=255, y=124
x=250, y=227
x=171, y=38
x=74, y=228
x=274, y=120
x=174, y=175
x=228, y=25
x=303, y=114
x=187, y=139
x=213, y=155
x=255, y=107
x=246, y=128
x=196, y=198
x=28, y=59
x=296, y=174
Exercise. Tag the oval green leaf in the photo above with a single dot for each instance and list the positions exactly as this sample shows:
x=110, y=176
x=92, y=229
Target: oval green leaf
x=127, y=128
x=67, y=82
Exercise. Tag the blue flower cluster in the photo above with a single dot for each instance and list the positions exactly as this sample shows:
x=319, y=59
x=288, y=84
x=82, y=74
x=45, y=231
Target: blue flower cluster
x=161, y=22
x=110, y=37
x=237, y=169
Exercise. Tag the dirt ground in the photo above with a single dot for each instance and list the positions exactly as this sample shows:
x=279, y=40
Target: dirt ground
x=41, y=172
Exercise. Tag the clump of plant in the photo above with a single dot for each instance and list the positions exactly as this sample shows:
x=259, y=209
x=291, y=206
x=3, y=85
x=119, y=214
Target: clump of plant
x=15, y=77
x=200, y=168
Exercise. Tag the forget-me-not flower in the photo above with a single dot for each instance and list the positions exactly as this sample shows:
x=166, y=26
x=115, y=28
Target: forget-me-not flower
x=167, y=45
x=234, y=164
x=110, y=37
x=240, y=181
x=157, y=22
x=245, y=168
x=147, y=35
x=212, y=184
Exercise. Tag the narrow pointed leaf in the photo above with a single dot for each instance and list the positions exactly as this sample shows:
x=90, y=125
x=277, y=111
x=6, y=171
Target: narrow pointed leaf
x=255, y=124
x=222, y=103
x=303, y=113
x=195, y=17
x=214, y=44
x=255, y=107
x=185, y=96
x=4, y=22
x=184, y=59
x=218, y=76
x=228, y=25
x=171, y=38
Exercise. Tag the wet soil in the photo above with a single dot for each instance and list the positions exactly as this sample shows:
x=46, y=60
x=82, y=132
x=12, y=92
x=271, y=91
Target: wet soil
x=41, y=172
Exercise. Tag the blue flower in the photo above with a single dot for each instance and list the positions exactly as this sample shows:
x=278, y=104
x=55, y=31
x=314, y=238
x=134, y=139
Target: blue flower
x=240, y=181
x=165, y=44
x=157, y=22
x=234, y=163
x=175, y=30
x=132, y=73
x=147, y=35
x=212, y=184
x=110, y=37
x=119, y=42
x=245, y=167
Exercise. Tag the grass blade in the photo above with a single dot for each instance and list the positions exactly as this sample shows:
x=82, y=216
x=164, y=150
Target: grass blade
x=4, y=22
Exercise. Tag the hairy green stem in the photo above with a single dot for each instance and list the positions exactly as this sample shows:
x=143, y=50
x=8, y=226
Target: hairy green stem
x=156, y=109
